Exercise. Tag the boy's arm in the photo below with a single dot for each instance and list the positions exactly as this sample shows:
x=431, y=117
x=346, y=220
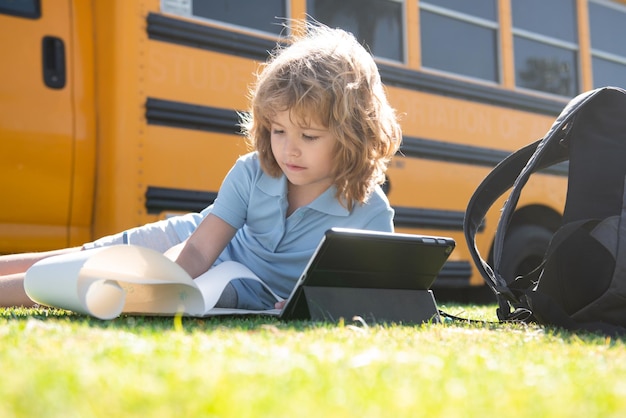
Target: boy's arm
x=199, y=252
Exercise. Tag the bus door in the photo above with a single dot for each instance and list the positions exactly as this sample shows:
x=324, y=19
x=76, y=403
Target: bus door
x=36, y=122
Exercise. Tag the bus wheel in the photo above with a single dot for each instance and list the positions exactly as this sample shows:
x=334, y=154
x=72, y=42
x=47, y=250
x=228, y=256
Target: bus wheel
x=523, y=250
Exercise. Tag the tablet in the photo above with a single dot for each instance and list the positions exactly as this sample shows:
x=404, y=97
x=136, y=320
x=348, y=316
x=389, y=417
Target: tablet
x=372, y=272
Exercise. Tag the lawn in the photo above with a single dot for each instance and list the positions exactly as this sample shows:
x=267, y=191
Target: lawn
x=57, y=364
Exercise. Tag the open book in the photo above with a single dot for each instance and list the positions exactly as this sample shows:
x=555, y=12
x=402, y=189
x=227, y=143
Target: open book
x=106, y=282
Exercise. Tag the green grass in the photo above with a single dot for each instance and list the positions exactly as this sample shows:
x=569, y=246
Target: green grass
x=56, y=364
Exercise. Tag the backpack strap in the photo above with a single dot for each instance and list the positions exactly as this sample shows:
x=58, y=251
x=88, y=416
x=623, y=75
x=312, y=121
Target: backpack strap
x=514, y=171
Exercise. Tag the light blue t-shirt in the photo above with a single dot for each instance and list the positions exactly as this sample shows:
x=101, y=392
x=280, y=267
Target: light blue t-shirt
x=276, y=247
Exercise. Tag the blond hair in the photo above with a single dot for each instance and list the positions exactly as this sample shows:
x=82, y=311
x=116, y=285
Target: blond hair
x=326, y=76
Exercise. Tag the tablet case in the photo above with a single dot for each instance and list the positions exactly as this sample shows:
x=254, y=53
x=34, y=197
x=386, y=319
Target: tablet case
x=378, y=276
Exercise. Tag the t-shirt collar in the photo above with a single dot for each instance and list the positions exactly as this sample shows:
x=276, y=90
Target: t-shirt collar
x=326, y=202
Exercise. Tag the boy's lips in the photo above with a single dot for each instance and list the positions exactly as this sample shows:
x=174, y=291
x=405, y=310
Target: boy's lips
x=293, y=167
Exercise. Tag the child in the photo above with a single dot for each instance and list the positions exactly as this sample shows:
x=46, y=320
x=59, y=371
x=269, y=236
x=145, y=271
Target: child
x=323, y=133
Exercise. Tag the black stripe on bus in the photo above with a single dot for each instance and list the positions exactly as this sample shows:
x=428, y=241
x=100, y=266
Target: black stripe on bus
x=454, y=274
x=463, y=154
x=184, y=115
x=188, y=116
x=161, y=199
x=428, y=218
x=459, y=89
x=445, y=151
x=181, y=32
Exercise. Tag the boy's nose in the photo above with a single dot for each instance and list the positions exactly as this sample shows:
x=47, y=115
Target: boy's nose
x=291, y=148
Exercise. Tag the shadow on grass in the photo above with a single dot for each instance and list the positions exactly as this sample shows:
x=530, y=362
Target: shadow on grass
x=138, y=323
x=260, y=323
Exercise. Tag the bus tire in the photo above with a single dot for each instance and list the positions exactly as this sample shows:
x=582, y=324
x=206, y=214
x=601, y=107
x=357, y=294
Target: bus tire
x=523, y=250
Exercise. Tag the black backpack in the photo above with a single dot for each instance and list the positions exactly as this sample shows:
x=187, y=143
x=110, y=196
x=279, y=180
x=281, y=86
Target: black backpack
x=581, y=283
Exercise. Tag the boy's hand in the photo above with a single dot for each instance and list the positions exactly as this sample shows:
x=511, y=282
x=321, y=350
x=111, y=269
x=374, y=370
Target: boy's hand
x=280, y=305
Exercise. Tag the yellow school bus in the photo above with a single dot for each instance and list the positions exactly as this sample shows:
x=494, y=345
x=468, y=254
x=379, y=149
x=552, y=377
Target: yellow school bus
x=114, y=113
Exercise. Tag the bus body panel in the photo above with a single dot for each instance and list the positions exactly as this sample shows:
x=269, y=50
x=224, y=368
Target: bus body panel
x=37, y=142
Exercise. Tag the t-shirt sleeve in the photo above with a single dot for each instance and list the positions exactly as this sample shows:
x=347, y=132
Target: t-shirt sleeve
x=382, y=221
x=376, y=214
x=231, y=204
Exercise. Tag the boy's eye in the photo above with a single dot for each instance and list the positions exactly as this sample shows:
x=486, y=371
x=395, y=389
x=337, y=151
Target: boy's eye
x=277, y=131
x=309, y=137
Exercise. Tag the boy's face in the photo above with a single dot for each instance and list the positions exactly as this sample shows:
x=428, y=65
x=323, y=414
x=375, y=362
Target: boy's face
x=304, y=153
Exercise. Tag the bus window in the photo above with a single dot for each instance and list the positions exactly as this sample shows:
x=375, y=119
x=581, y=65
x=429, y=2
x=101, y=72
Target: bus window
x=264, y=16
x=377, y=24
x=485, y=9
x=22, y=8
x=607, y=23
x=545, y=46
x=462, y=39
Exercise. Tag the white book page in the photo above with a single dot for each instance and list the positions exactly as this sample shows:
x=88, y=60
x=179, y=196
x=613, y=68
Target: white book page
x=213, y=282
x=104, y=282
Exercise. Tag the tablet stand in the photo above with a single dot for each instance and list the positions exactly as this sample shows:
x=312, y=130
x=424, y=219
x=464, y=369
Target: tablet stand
x=407, y=306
